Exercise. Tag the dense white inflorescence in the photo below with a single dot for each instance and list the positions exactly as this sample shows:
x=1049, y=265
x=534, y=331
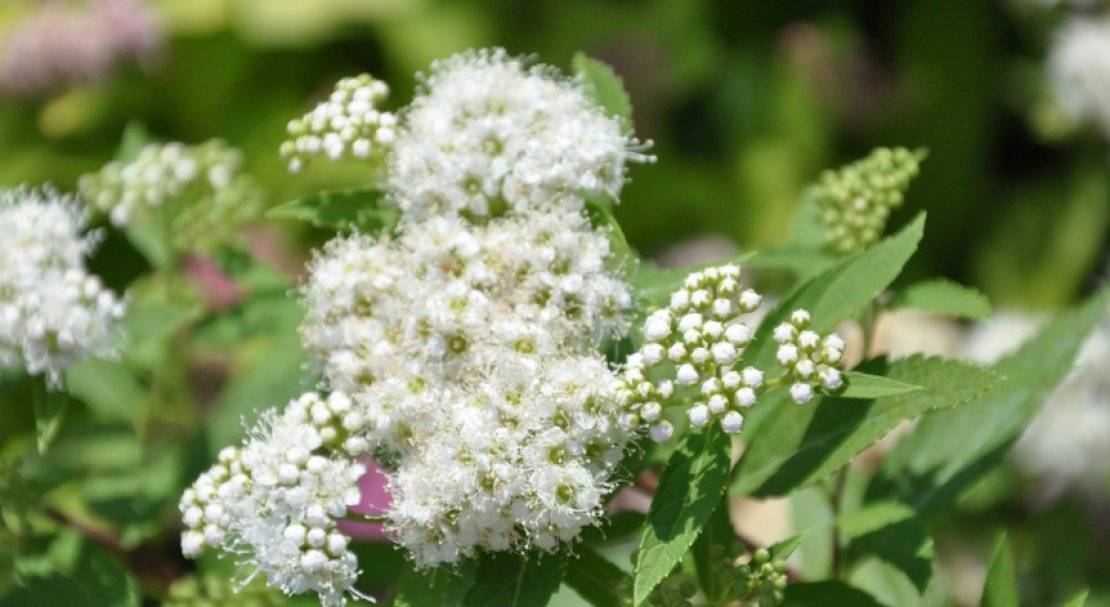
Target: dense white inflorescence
x=53, y=312
x=487, y=132
x=350, y=123
x=702, y=337
x=1079, y=70
x=464, y=346
x=278, y=499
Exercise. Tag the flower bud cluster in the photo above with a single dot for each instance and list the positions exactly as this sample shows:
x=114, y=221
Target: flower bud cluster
x=855, y=201
x=53, y=312
x=809, y=359
x=349, y=124
x=701, y=334
x=487, y=133
x=199, y=191
x=277, y=499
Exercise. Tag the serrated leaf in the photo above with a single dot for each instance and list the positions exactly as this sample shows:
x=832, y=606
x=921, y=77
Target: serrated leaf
x=867, y=386
x=948, y=450
x=690, y=489
x=711, y=553
x=826, y=594
x=50, y=408
x=599, y=582
x=1000, y=588
x=942, y=296
x=840, y=291
x=604, y=87
x=512, y=580
x=437, y=587
x=797, y=445
x=363, y=209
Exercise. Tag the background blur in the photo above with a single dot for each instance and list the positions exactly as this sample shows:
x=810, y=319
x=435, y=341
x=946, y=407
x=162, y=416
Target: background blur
x=746, y=103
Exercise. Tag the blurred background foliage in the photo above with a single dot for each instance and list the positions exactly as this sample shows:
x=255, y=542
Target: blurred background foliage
x=746, y=102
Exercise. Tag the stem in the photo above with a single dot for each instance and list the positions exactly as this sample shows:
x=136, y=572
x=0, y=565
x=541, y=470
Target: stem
x=358, y=517
x=835, y=498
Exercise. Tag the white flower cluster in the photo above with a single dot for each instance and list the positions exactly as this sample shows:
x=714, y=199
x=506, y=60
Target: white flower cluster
x=53, y=312
x=809, y=359
x=468, y=346
x=350, y=123
x=279, y=496
x=1079, y=70
x=200, y=192
x=488, y=133
x=702, y=336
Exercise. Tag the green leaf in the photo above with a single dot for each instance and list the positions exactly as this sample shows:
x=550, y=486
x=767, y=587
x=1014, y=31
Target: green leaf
x=782, y=550
x=942, y=296
x=890, y=532
x=73, y=571
x=712, y=553
x=135, y=137
x=621, y=256
x=108, y=387
x=50, y=407
x=512, y=580
x=269, y=375
x=439, y=587
x=149, y=238
x=864, y=385
x=948, y=450
x=604, y=87
x=798, y=445
x=690, y=489
x=1079, y=600
x=363, y=209
x=1001, y=589
x=598, y=581
x=841, y=291
x=826, y=594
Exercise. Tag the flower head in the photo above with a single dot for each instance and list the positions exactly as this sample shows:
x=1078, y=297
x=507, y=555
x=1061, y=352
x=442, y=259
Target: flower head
x=52, y=311
x=488, y=133
x=200, y=189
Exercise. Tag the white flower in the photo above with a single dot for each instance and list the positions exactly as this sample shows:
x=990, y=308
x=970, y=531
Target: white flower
x=487, y=132
x=1079, y=70
x=732, y=422
x=801, y=393
x=662, y=432
x=52, y=311
x=699, y=415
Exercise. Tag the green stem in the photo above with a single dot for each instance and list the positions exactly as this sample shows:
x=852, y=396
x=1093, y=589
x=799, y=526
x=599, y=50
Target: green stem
x=358, y=517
